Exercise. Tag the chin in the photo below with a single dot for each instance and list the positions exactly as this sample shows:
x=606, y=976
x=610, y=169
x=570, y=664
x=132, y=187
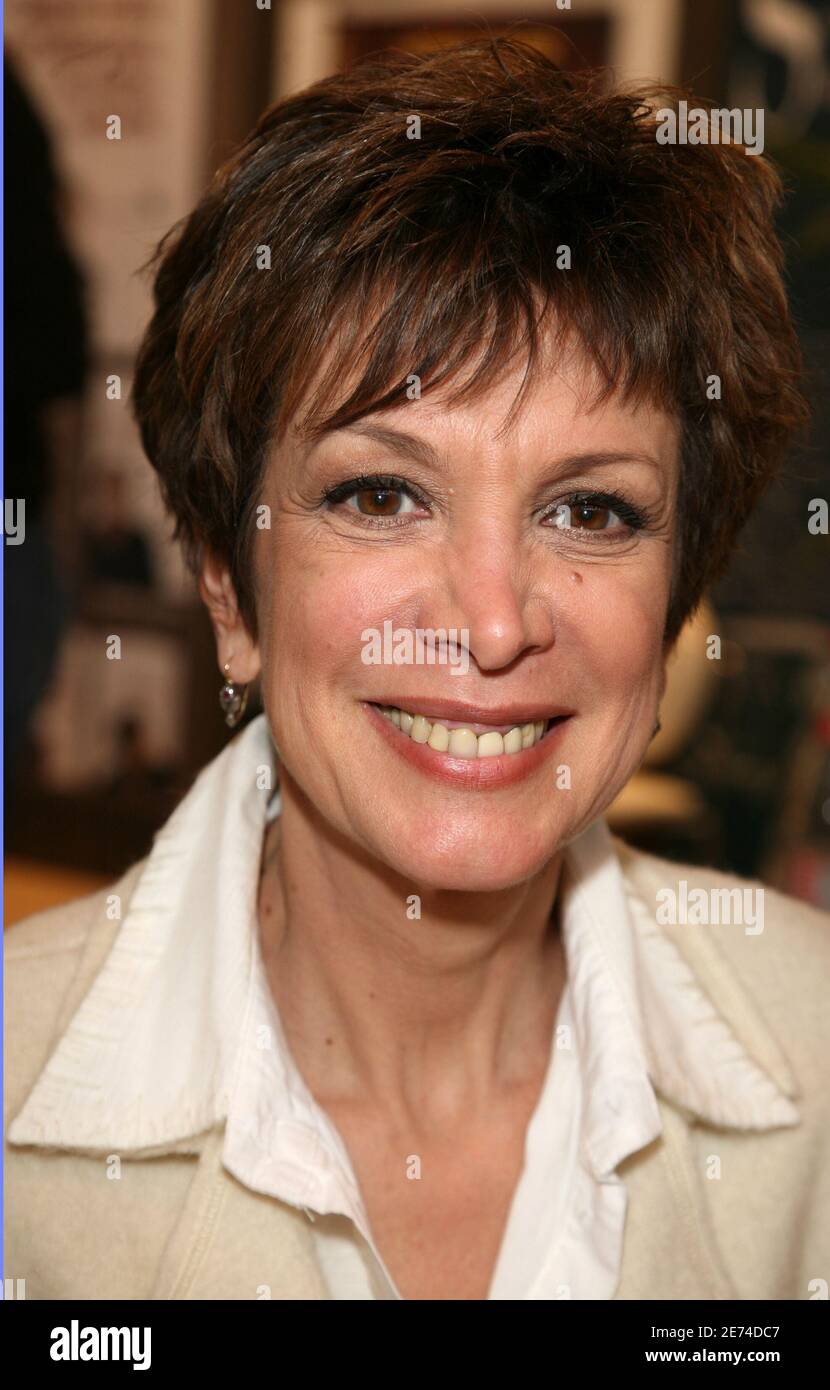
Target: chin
x=473, y=858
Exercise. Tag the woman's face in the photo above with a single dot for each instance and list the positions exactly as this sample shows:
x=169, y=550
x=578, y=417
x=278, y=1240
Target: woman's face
x=548, y=548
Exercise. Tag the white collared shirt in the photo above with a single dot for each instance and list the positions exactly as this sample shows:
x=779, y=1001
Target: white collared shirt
x=180, y=1031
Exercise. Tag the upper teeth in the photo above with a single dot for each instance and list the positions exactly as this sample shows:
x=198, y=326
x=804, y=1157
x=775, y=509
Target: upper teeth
x=464, y=743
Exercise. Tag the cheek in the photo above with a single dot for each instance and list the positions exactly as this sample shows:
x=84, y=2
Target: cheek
x=619, y=622
x=320, y=604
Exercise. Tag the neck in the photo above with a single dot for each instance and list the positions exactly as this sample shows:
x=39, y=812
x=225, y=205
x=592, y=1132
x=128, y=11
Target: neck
x=427, y=1007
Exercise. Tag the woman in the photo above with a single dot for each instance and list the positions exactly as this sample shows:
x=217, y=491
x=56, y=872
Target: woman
x=459, y=385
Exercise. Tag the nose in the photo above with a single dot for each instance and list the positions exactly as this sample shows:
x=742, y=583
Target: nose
x=493, y=589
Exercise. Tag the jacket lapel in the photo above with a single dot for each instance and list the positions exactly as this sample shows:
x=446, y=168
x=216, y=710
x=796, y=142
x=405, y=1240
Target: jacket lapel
x=670, y=1249
x=233, y=1243
x=737, y=1075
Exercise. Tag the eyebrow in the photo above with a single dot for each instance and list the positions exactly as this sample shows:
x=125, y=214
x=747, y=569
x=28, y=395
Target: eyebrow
x=420, y=451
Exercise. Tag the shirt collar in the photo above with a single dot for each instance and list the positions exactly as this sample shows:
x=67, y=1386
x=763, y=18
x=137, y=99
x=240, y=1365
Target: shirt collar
x=154, y=1054
x=644, y=1022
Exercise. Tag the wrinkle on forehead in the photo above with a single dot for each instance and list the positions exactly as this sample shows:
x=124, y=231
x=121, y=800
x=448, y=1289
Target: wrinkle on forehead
x=346, y=358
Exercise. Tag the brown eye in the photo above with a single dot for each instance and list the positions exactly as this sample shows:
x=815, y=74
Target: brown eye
x=375, y=498
x=378, y=501
x=587, y=517
x=596, y=514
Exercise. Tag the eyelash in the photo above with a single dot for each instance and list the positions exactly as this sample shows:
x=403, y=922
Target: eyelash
x=636, y=518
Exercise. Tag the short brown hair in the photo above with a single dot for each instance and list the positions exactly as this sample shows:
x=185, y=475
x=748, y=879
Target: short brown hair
x=676, y=275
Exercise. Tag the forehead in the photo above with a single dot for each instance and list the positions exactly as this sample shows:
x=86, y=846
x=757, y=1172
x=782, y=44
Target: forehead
x=562, y=407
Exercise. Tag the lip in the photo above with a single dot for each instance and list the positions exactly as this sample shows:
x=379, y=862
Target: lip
x=476, y=714
x=472, y=774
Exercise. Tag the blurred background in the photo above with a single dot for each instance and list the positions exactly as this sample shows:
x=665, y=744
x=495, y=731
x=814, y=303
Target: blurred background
x=111, y=680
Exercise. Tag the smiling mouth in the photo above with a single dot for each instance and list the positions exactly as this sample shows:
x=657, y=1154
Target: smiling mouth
x=468, y=740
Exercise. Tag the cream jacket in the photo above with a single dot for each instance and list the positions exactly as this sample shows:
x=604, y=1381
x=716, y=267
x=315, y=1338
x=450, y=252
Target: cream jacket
x=134, y=1159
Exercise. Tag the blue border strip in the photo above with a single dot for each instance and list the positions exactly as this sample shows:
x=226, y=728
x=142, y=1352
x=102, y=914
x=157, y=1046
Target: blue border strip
x=2, y=654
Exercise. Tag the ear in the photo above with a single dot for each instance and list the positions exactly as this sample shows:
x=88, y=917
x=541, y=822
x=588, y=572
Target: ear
x=234, y=644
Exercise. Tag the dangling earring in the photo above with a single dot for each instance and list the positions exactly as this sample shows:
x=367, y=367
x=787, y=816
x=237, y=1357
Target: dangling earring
x=232, y=699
